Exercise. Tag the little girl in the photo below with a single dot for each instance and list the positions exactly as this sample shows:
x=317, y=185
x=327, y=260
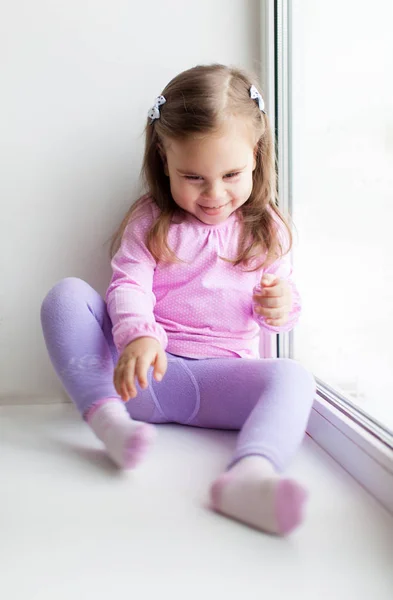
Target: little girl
x=200, y=265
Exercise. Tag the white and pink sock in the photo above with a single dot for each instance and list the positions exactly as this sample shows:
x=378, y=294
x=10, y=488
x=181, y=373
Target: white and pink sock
x=252, y=492
x=125, y=440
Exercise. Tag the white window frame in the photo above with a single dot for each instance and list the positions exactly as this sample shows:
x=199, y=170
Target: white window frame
x=361, y=446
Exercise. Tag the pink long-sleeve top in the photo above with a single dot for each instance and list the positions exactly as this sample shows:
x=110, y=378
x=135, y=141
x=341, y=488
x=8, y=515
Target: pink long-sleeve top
x=201, y=307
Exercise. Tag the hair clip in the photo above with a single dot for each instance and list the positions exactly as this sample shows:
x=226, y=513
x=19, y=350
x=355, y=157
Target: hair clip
x=255, y=95
x=154, y=112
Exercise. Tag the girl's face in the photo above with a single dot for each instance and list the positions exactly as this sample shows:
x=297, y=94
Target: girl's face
x=211, y=176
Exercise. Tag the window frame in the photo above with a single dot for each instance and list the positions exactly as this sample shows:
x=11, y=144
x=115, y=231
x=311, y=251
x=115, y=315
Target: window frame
x=358, y=443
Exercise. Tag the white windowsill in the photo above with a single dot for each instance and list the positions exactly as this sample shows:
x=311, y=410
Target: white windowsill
x=72, y=526
x=368, y=460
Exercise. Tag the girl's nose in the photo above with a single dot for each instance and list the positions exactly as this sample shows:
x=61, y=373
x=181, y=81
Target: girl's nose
x=214, y=192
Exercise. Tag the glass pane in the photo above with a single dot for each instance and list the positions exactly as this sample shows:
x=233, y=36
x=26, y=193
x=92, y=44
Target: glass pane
x=342, y=170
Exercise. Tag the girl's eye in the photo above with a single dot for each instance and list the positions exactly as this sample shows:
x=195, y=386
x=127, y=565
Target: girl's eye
x=199, y=178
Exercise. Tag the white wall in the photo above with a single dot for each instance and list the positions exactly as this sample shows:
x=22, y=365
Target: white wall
x=77, y=80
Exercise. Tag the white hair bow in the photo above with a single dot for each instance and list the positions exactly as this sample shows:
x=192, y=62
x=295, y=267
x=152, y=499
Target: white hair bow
x=255, y=95
x=154, y=112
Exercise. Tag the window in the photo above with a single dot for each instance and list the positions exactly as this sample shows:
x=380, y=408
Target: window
x=341, y=184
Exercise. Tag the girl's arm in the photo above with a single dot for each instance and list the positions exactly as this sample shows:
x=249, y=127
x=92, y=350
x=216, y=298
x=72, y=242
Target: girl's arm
x=281, y=268
x=130, y=299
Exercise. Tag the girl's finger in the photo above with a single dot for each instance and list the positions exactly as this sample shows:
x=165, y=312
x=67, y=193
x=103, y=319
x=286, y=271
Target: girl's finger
x=121, y=387
x=276, y=322
x=269, y=279
x=270, y=313
x=160, y=365
x=129, y=379
x=272, y=291
x=142, y=365
x=269, y=302
x=117, y=378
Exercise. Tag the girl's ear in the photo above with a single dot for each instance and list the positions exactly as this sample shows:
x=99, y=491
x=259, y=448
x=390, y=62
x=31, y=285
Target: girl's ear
x=163, y=158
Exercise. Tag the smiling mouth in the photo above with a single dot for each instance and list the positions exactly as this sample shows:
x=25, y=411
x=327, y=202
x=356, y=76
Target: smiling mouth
x=214, y=207
x=213, y=211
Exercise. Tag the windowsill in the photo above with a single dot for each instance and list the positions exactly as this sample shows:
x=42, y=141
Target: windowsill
x=364, y=457
x=75, y=527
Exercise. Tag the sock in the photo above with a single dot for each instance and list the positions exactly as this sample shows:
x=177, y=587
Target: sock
x=252, y=492
x=126, y=441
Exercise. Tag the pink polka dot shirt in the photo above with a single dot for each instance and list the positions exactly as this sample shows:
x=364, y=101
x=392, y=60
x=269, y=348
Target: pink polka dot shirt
x=201, y=307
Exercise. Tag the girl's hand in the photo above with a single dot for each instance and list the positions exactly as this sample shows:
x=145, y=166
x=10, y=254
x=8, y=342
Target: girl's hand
x=274, y=302
x=134, y=362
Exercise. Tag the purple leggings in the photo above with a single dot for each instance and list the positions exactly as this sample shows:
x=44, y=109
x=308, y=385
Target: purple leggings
x=269, y=400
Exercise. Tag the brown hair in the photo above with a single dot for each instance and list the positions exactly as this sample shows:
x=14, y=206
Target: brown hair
x=197, y=102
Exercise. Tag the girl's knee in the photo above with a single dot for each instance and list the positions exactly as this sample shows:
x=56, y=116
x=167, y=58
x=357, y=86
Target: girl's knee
x=64, y=293
x=302, y=376
x=296, y=372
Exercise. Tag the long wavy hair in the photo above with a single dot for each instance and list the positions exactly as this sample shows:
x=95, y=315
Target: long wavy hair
x=197, y=102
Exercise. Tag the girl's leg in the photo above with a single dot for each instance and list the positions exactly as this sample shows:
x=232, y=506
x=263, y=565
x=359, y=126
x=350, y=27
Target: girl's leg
x=78, y=335
x=270, y=401
x=278, y=394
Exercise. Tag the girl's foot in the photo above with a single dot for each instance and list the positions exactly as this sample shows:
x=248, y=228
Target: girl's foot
x=126, y=441
x=253, y=493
